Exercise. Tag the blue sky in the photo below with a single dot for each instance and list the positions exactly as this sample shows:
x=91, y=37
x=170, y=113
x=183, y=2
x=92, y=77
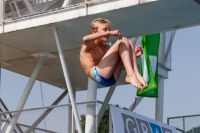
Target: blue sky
x=181, y=94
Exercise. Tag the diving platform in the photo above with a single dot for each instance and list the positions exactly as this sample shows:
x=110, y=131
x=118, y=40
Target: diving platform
x=41, y=39
x=23, y=36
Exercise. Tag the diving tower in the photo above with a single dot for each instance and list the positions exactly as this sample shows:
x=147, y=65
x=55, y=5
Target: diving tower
x=49, y=33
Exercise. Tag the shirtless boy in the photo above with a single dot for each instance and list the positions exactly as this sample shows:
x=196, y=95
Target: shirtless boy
x=103, y=63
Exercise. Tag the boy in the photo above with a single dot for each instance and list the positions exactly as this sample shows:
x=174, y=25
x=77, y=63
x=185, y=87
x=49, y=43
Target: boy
x=103, y=63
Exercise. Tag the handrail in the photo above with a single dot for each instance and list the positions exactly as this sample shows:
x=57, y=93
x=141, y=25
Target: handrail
x=2, y=10
x=53, y=106
x=41, y=8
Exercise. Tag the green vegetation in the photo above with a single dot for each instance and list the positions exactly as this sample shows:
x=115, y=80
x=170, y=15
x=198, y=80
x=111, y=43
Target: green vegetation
x=195, y=130
x=104, y=123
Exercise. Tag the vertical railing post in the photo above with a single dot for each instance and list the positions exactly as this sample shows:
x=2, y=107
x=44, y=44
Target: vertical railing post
x=29, y=6
x=96, y=108
x=2, y=10
x=86, y=7
x=16, y=7
x=110, y=122
x=160, y=100
x=66, y=3
x=184, y=124
x=0, y=122
x=71, y=122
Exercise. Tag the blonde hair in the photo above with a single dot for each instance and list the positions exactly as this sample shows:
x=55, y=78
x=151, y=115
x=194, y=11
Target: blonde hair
x=95, y=23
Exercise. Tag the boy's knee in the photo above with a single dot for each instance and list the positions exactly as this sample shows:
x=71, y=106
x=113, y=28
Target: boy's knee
x=124, y=44
x=125, y=39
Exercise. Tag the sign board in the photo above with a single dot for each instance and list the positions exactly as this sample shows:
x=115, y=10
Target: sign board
x=128, y=122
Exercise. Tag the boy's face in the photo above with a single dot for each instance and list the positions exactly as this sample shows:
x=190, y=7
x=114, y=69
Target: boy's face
x=103, y=28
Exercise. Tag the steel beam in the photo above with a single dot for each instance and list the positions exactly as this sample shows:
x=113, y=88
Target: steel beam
x=110, y=122
x=71, y=122
x=66, y=3
x=170, y=44
x=90, y=110
x=160, y=100
x=11, y=7
x=0, y=122
x=2, y=10
x=67, y=79
x=161, y=51
x=16, y=7
x=29, y=6
x=26, y=93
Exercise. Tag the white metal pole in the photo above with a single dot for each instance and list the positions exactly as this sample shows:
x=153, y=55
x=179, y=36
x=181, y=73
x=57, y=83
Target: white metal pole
x=28, y=4
x=0, y=122
x=70, y=113
x=110, y=122
x=90, y=111
x=66, y=3
x=170, y=44
x=11, y=7
x=2, y=10
x=16, y=7
x=4, y=123
x=160, y=100
x=161, y=52
x=67, y=79
x=26, y=93
x=0, y=81
x=71, y=126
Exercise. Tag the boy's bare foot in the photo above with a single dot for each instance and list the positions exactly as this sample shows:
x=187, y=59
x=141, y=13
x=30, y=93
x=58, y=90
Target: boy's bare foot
x=132, y=78
x=141, y=79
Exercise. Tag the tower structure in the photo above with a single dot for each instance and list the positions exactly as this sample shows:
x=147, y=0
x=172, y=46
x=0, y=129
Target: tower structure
x=41, y=39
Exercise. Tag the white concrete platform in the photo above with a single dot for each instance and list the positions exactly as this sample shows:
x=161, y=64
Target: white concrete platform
x=22, y=37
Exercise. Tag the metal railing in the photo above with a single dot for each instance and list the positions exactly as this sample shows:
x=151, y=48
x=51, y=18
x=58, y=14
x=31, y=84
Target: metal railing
x=15, y=9
x=54, y=118
x=185, y=124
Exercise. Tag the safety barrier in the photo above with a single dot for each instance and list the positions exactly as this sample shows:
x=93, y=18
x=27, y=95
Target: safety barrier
x=15, y=9
x=51, y=119
x=185, y=124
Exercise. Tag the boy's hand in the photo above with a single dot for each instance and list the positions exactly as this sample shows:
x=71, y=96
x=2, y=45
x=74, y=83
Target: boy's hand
x=138, y=51
x=115, y=33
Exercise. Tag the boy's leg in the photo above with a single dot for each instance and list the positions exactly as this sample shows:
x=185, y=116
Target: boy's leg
x=109, y=63
x=118, y=69
x=134, y=64
x=124, y=51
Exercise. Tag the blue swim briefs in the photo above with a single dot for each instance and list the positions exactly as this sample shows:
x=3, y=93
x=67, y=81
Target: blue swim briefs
x=101, y=80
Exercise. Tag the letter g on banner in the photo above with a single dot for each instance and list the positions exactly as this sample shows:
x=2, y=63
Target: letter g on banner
x=130, y=125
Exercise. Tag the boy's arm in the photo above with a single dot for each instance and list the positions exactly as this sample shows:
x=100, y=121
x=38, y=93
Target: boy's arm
x=138, y=51
x=91, y=37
